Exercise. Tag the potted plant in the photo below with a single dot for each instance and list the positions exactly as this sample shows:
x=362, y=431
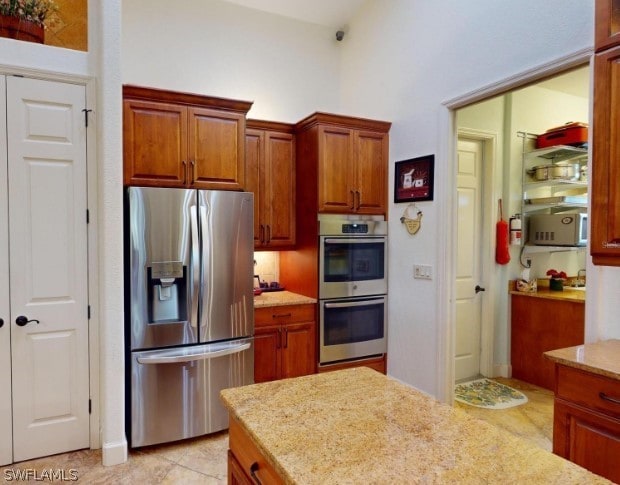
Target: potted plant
x=556, y=281
x=24, y=19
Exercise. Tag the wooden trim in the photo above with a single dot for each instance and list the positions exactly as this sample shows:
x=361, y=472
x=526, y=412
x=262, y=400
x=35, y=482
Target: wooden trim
x=347, y=122
x=155, y=94
x=270, y=125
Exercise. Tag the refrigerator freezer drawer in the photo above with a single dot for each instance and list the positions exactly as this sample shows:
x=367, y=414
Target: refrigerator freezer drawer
x=175, y=392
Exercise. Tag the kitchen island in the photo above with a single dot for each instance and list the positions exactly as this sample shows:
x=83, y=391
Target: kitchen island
x=359, y=426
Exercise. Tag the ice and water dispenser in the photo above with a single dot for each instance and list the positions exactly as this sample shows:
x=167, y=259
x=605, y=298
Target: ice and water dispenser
x=167, y=291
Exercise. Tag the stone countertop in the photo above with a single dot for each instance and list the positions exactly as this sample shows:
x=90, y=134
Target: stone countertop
x=280, y=298
x=359, y=426
x=602, y=358
x=567, y=294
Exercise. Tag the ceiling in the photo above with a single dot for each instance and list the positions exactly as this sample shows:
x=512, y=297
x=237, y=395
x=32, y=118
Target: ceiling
x=329, y=13
x=575, y=82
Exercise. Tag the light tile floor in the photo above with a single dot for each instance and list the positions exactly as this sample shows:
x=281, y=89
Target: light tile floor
x=532, y=420
x=203, y=460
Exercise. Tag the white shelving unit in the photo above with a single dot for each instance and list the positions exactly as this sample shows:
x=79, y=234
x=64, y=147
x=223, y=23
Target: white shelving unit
x=555, y=194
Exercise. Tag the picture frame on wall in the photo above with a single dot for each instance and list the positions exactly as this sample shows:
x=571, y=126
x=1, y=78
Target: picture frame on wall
x=414, y=179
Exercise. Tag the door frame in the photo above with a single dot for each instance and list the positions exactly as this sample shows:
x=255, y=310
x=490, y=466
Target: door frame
x=491, y=186
x=92, y=232
x=447, y=150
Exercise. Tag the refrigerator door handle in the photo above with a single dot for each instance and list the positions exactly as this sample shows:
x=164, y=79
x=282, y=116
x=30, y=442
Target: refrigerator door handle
x=180, y=358
x=195, y=264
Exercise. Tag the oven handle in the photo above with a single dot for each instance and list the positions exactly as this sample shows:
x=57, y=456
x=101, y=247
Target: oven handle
x=355, y=240
x=354, y=303
x=175, y=359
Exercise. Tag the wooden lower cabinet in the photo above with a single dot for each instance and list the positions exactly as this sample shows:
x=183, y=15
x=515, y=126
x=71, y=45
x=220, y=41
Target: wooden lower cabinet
x=284, y=342
x=246, y=464
x=586, y=424
x=539, y=325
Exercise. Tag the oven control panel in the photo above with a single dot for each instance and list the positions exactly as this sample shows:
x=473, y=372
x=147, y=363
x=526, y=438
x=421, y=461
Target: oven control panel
x=355, y=229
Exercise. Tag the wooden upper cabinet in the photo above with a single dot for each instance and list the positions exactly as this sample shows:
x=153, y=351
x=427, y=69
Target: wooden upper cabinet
x=336, y=169
x=605, y=210
x=183, y=140
x=607, y=24
x=270, y=165
x=349, y=159
x=154, y=143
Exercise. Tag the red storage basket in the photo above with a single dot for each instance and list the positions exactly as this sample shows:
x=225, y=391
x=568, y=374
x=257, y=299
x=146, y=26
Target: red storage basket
x=569, y=134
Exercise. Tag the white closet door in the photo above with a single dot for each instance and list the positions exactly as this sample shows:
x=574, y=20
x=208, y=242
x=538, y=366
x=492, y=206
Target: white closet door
x=48, y=266
x=6, y=419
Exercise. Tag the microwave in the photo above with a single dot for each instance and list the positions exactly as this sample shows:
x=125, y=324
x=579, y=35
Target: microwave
x=562, y=229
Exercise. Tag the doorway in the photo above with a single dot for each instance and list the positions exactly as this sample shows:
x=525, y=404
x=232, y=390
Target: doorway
x=474, y=295
x=504, y=115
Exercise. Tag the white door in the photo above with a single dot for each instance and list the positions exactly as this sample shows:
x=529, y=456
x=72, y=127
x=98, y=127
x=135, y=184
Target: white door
x=48, y=266
x=469, y=231
x=6, y=420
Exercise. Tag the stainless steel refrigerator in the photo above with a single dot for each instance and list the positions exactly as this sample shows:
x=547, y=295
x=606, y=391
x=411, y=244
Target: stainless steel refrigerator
x=189, y=309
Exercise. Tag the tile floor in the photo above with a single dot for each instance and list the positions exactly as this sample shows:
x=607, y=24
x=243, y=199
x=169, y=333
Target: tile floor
x=203, y=460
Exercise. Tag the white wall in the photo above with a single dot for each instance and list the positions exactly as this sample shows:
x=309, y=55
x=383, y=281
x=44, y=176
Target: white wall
x=401, y=61
x=288, y=68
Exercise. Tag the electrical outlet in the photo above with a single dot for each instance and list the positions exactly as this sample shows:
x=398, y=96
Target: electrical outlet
x=528, y=263
x=423, y=271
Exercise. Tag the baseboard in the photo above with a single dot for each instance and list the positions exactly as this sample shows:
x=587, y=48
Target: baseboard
x=502, y=370
x=114, y=453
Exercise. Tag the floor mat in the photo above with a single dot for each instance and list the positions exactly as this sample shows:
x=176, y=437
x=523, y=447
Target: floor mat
x=485, y=393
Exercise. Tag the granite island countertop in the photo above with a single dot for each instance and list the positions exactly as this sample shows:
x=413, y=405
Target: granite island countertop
x=281, y=298
x=359, y=426
x=602, y=358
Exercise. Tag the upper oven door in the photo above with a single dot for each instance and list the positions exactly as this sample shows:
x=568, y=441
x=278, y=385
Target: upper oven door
x=352, y=266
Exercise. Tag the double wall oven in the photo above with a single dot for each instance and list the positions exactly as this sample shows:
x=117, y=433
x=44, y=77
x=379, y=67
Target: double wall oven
x=352, y=287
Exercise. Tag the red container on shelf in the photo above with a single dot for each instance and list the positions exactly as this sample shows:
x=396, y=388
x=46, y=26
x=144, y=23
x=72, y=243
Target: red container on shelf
x=568, y=134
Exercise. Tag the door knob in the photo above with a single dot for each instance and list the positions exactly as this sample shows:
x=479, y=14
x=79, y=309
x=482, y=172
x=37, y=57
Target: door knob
x=22, y=320
x=1, y=322
x=479, y=288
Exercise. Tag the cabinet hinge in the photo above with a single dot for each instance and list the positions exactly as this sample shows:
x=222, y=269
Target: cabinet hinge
x=87, y=216
x=89, y=312
x=90, y=406
x=86, y=111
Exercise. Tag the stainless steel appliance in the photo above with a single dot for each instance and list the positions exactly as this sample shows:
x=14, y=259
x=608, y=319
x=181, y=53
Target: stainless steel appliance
x=352, y=328
x=561, y=229
x=352, y=256
x=352, y=287
x=189, y=307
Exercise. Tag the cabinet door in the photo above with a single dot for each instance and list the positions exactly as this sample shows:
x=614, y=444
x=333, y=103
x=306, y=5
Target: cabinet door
x=605, y=213
x=267, y=353
x=236, y=475
x=607, y=24
x=336, y=170
x=371, y=151
x=588, y=439
x=539, y=325
x=216, y=149
x=154, y=143
x=298, y=349
x=254, y=160
x=278, y=190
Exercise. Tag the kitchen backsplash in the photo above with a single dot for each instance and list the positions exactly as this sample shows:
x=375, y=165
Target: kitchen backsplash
x=267, y=265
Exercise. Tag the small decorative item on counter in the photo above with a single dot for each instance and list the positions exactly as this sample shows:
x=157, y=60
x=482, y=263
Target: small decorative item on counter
x=556, y=283
x=526, y=286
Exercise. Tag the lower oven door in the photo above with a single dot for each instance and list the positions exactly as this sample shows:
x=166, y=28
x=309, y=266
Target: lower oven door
x=351, y=328
x=175, y=391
